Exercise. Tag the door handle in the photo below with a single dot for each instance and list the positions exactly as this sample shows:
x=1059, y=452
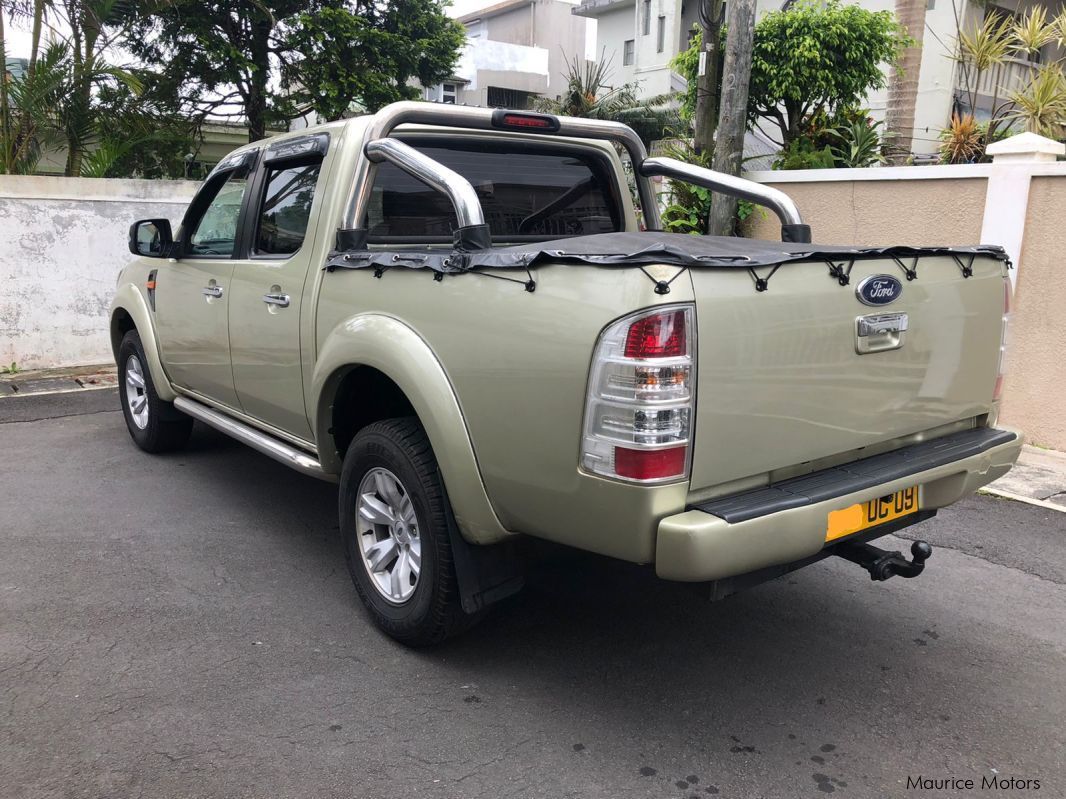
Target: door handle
x=212, y=291
x=280, y=300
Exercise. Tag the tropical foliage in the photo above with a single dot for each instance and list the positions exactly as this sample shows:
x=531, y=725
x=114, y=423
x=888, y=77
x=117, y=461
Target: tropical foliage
x=589, y=94
x=688, y=206
x=73, y=99
x=963, y=141
x=987, y=54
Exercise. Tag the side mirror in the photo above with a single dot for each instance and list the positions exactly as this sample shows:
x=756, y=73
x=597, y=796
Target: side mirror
x=151, y=238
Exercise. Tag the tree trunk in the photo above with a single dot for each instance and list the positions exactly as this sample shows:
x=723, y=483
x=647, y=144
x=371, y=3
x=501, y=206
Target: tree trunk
x=35, y=36
x=706, y=119
x=903, y=86
x=733, y=114
x=255, y=105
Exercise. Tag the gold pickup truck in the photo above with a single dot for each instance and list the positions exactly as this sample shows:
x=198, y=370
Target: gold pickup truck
x=455, y=313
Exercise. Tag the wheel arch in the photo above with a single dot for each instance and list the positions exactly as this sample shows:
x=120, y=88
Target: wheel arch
x=371, y=365
x=129, y=311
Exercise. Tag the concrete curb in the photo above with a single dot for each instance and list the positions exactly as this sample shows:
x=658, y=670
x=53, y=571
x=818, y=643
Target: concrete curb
x=1039, y=478
x=1040, y=503
x=58, y=381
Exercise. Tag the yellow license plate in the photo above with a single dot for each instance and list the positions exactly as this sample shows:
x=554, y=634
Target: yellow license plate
x=870, y=514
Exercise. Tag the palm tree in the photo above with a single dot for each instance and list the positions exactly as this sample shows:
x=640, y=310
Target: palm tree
x=903, y=86
x=588, y=94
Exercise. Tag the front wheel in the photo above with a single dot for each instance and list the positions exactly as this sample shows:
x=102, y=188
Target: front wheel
x=154, y=425
x=394, y=518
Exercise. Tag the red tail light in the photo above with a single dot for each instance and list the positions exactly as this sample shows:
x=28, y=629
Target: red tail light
x=638, y=414
x=657, y=336
x=649, y=464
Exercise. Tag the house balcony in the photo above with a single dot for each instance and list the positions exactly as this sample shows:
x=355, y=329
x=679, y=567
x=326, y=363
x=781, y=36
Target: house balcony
x=999, y=82
x=486, y=55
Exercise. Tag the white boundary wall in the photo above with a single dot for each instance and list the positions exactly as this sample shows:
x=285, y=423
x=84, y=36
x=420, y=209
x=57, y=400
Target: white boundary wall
x=62, y=244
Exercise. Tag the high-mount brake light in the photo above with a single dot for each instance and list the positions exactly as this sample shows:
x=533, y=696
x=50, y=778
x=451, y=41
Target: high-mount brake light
x=638, y=413
x=520, y=120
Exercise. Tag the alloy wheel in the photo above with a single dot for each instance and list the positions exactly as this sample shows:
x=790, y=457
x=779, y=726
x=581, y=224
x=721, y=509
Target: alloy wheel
x=389, y=540
x=136, y=392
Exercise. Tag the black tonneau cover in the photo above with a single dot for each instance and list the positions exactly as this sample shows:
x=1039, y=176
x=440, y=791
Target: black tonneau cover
x=641, y=249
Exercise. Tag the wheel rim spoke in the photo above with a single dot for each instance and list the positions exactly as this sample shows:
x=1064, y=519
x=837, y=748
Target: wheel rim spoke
x=388, y=488
x=414, y=559
x=374, y=510
x=407, y=510
x=379, y=555
x=397, y=576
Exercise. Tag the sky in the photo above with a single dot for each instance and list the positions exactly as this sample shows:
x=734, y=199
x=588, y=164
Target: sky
x=16, y=39
x=460, y=7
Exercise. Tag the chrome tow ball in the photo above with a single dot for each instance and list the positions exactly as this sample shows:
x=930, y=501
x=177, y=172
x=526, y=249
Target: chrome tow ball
x=882, y=564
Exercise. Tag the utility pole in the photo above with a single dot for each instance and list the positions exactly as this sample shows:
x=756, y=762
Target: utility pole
x=706, y=120
x=733, y=112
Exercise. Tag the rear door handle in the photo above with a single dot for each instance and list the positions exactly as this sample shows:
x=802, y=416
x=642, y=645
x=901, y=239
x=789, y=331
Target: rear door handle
x=212, y=291
x=280, y=300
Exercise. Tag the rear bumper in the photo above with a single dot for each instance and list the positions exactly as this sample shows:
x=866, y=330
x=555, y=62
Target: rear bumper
x=786, y=522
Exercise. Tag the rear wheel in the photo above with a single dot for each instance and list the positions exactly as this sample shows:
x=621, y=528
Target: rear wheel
x=154, y=425
x=394, y=518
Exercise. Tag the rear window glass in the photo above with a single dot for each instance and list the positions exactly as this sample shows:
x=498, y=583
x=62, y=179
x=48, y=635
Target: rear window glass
x=528, y=192
x=286, y=208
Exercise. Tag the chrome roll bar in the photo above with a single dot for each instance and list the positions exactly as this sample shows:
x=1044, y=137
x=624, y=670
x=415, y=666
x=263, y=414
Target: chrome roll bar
x=447, y=181
x=380, y=148
x=792, y=227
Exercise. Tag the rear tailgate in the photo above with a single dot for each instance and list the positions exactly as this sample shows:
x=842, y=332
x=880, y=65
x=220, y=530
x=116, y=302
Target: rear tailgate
x=781, y=381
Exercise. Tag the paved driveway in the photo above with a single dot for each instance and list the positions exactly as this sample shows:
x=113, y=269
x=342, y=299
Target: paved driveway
x=184, y=626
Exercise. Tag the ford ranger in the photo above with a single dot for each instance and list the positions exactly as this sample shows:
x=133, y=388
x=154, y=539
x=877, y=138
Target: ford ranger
x=457, y=315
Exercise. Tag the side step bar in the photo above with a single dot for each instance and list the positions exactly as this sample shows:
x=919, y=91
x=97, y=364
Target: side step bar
x=256, y=439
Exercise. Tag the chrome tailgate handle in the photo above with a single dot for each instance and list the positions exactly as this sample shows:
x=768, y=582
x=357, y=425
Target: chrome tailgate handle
x=882, y=323
x=212, y=291
x=879, y=332
x=279, y=300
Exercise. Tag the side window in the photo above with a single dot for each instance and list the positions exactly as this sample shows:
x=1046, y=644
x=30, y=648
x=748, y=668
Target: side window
x=215, y=233
x=286, y=208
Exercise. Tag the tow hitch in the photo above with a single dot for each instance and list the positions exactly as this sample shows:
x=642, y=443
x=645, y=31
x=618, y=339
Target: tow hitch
x=882, y=564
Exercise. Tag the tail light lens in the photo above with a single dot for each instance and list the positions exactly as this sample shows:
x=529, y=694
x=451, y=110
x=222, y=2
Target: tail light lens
x=638, y=414
x=997, y=392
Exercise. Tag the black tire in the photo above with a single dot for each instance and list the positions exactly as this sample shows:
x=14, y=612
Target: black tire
x=165, y=428
x=432, y=612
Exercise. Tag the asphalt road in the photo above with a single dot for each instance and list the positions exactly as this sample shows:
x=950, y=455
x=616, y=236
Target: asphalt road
x=184, y=626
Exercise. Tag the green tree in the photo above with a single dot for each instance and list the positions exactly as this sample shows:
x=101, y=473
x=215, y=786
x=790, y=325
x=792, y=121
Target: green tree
x=270, y=61
x=818, y=58
x=811, y=61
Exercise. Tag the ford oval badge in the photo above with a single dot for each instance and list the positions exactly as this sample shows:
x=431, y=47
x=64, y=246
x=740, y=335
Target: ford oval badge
x=878, y=290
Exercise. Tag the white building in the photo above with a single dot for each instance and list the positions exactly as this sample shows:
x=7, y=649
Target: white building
x=640, y=37
x=515, y=52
